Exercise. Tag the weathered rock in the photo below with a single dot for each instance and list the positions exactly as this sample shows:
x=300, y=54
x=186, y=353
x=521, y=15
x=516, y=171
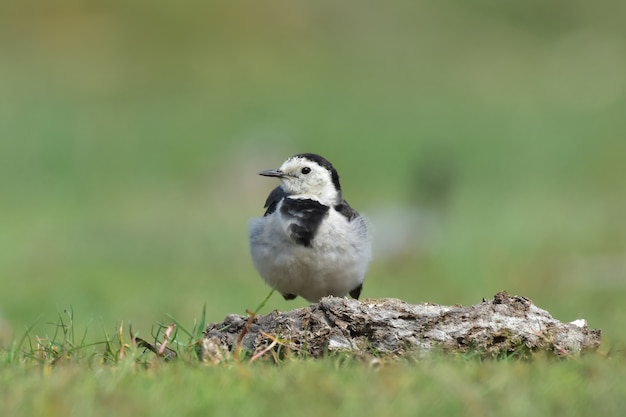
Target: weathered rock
x=390, y=327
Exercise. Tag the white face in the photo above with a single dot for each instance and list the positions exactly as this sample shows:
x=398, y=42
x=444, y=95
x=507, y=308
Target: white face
x=306, y=178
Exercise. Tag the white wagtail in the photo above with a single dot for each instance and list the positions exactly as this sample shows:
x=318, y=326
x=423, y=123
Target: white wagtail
x=310, y=242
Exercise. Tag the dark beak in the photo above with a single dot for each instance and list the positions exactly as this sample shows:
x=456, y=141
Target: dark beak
x=273, y=173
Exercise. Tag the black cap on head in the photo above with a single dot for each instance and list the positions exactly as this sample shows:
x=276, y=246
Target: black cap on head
x=321, y=161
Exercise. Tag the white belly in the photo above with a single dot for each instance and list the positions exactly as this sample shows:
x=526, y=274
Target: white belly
x=335, y=263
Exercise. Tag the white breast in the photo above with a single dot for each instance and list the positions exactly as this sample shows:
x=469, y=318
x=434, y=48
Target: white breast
x=335, y=263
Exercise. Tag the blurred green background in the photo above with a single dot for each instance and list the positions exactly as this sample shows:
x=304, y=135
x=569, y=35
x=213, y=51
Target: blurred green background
x=484, y=140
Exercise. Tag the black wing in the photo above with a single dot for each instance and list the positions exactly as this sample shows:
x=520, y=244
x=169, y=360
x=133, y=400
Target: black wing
x=308, y=214
x=273, y=199
x=344, y=209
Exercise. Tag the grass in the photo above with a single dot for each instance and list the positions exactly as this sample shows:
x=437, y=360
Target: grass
x=61, y=376
x=129, y=141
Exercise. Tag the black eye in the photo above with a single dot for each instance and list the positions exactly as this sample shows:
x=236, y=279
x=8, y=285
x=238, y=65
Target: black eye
x=306, y=170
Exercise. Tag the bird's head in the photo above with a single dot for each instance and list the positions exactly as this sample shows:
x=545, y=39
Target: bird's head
x=308, y=175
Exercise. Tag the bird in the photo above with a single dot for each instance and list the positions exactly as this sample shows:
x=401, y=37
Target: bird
x=309, y=242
